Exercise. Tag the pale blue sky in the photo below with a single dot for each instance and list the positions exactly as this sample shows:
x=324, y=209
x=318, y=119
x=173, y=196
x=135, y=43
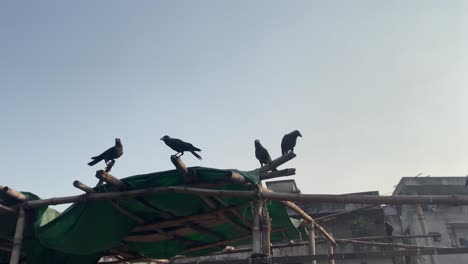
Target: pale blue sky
x=377, y=88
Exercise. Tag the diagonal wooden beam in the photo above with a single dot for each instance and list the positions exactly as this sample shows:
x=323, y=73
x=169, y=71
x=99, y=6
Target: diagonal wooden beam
x=277, y=162
x=206, y=231
x=182, y=220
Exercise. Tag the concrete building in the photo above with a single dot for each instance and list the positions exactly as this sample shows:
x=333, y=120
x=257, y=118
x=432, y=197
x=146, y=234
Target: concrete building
x=448, y=224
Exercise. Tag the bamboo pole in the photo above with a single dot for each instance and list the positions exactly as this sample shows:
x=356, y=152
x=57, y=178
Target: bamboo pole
x=18, y=239
x=329, y=198
x=226, y=242
x=13, y=194
x=7, y=209
x=422, y=221
x=104, y=176
x=334, y=198
x=235, y=177
x=85, y=188
x=383, y=244
x=277, y=174
x=182, y=220
x=256, y=233
x=331, y=253
x=182, y=169
x=311, y=230
x=266, y=232
x=277, y=162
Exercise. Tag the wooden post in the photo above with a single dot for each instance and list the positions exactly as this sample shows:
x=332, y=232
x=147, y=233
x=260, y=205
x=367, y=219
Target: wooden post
x=13, y=194
x=311, y=230
x=422, y=221
x=182, y=169
x=256, y=234
x=85, y=188
x=18, y=239
x=331, y=253
x=277, y=162
x=104, y=176
x=266, y=232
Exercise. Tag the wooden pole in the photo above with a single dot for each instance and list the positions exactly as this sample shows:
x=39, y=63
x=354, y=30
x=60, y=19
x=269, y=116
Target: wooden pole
x=329, y=198
x=331, y=253
x=256, y=234
x=7, y=209
x=85, y=188
x=422, y=221
x=182, y=169
x=266, y=232
x=18, y=239
x=311, y=230
x=13, y=194
x=104, y=176
x=232, y=176
x=277, y=174
x=277, y=162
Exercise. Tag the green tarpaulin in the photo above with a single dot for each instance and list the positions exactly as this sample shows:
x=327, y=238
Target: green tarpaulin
x=86, y=231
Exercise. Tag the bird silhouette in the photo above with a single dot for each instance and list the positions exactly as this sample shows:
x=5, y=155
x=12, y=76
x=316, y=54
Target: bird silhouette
x=180, y=146
x=289, y=141
x=109, y=155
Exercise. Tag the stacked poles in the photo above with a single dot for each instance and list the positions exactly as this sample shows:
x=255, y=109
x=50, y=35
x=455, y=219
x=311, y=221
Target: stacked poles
x=261, y=228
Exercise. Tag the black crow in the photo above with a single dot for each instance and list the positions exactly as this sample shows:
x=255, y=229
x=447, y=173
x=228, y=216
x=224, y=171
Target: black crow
x=289, y=141
x=262, y=153
x=110, y=154
x=389, y=230
x=180, y=146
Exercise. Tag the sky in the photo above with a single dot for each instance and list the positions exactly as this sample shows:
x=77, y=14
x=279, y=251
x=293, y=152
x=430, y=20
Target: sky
x=378, y=89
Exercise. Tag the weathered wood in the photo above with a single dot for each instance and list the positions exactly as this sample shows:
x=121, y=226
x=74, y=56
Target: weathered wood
x=422, y=221
x=18, y=239
x=334, y=198
x=277, y=162
x=266, y=232
x=382, y=244
x=277, y=174
x=104, y=176
x=182, y=220
x=256, y=234
x=235, y=177
x=6, y=209
x=328, y=198
x=311, y=231
x=225, y=242
x=208, y=201
x=127, y=213
x=206, y=231
x=307, y=217
x=13, y=194
x=304, y=215
x=85, y=188
x=182, y=169
x=331, y=253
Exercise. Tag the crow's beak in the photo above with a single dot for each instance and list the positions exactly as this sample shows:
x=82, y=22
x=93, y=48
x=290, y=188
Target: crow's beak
x=161, y=139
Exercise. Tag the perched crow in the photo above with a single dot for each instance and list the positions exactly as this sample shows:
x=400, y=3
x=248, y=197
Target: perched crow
x=389, y=230
x=261, y=153
x=289, y=141
x=110, y=154
x=180, y=146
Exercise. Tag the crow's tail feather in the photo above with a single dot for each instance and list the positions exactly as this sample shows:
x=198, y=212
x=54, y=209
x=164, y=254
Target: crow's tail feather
x=196, y=155
x=94, y=161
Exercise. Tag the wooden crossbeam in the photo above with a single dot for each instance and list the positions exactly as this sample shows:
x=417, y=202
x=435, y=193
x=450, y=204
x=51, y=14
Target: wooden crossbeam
x=277, y=162
x=107, y=177
x=182, y=220
x=11, y=193
x=206, y=231
x=277, y=174
x=182, y=169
